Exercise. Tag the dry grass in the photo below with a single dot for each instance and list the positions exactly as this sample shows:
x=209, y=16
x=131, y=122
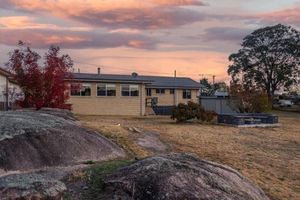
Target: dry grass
x=111, y=128
x=270, y=157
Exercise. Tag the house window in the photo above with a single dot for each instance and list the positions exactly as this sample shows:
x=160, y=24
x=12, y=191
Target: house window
x=187, y=94
x=160, y=91
x=104, y=89
x=75, y=89
x=130, y=90
x=172, y=91
x=149, y=92
x=80, y=89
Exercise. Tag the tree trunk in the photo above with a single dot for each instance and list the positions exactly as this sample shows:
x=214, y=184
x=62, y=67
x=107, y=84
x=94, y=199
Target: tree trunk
x=271, y=98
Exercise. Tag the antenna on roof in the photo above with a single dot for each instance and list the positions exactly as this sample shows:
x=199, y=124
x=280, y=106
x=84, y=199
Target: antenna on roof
x=134, y=74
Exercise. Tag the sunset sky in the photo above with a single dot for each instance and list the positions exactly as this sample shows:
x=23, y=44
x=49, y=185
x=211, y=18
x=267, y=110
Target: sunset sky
x=153, y=37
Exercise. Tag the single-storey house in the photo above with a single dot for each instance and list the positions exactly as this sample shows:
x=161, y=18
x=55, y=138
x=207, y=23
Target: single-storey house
x=110, y=94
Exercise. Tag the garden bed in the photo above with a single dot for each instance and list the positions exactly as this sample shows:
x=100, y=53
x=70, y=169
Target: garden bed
x=249, y=119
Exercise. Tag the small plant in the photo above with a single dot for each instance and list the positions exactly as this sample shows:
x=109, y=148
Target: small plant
x=76, y=176
x=185, y=112
x=95, y=174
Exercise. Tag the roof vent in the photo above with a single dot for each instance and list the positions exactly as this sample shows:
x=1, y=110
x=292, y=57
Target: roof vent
x=99, y=70
x=134, y=74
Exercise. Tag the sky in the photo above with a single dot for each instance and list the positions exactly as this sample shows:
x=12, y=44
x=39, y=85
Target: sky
x=150, y=37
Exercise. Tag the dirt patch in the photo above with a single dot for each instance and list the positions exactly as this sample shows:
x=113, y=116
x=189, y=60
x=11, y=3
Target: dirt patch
x=151, y=142
x=137, y=141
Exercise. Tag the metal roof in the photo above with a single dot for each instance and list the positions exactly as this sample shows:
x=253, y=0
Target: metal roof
x=4, y=72
x=151, y=81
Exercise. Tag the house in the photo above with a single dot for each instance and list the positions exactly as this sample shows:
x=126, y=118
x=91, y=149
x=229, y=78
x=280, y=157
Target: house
x=8, y=90
x=110, y=94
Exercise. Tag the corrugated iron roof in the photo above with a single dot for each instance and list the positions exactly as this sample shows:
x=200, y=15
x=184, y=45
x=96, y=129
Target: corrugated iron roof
x=151, y=81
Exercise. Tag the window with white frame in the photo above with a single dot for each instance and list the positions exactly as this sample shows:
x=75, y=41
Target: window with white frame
x=80, y=89
x=104, y=89
x=149, y=92
x=160, y=91
x=187, y=94
x=130, y=90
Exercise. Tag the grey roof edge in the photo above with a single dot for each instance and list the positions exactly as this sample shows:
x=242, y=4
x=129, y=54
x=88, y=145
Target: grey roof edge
x=4, y=72
x=172, y=87
x=109, y=80
x=156, y=81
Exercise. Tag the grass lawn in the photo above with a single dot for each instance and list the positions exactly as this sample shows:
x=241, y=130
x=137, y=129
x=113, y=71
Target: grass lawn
x=270, y=157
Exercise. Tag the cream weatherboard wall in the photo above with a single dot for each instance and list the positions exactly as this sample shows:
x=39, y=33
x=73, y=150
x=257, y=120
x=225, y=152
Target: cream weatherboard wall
x=167, y=99
x=194, y=97
x=109, y=105
x=2, y=87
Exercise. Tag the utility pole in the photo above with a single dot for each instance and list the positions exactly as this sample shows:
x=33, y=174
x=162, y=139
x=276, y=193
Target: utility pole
x=212, y=75
x=175, y=99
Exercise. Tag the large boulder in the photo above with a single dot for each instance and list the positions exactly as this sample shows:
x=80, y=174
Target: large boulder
x=179, y=176
x=33, y=139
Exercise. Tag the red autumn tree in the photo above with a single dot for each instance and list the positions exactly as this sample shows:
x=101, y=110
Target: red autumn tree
x=57, y=68
x=42, y=86
x=23, y=62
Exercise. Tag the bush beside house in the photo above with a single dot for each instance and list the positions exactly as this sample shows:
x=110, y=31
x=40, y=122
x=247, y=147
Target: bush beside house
x=191, y=110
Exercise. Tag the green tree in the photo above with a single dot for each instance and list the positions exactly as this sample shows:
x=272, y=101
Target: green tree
x=269, y=59
x=210, y=88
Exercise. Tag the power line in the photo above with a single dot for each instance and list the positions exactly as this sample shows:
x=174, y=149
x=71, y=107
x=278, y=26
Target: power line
x=128, y=69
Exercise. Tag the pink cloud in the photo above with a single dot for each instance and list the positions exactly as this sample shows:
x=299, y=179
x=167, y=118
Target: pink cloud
x=288, y=16
x=43, y=38
x=179, y=2
x=152, y=14
x=125, y=61
x=229, y=34
x=147, y=18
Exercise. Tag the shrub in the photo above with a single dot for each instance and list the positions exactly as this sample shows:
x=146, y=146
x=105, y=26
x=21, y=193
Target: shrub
x=182, y=113
x=249, y=100
x=185, y=112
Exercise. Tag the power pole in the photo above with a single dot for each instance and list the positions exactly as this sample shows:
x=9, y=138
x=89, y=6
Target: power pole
x=212, y=75
x=175, y=93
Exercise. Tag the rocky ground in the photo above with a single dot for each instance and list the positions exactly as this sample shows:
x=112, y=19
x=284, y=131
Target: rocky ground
x=47, y=154
x=33, y=144
x=168, y=177
x=179, y=176
x=35, y=139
